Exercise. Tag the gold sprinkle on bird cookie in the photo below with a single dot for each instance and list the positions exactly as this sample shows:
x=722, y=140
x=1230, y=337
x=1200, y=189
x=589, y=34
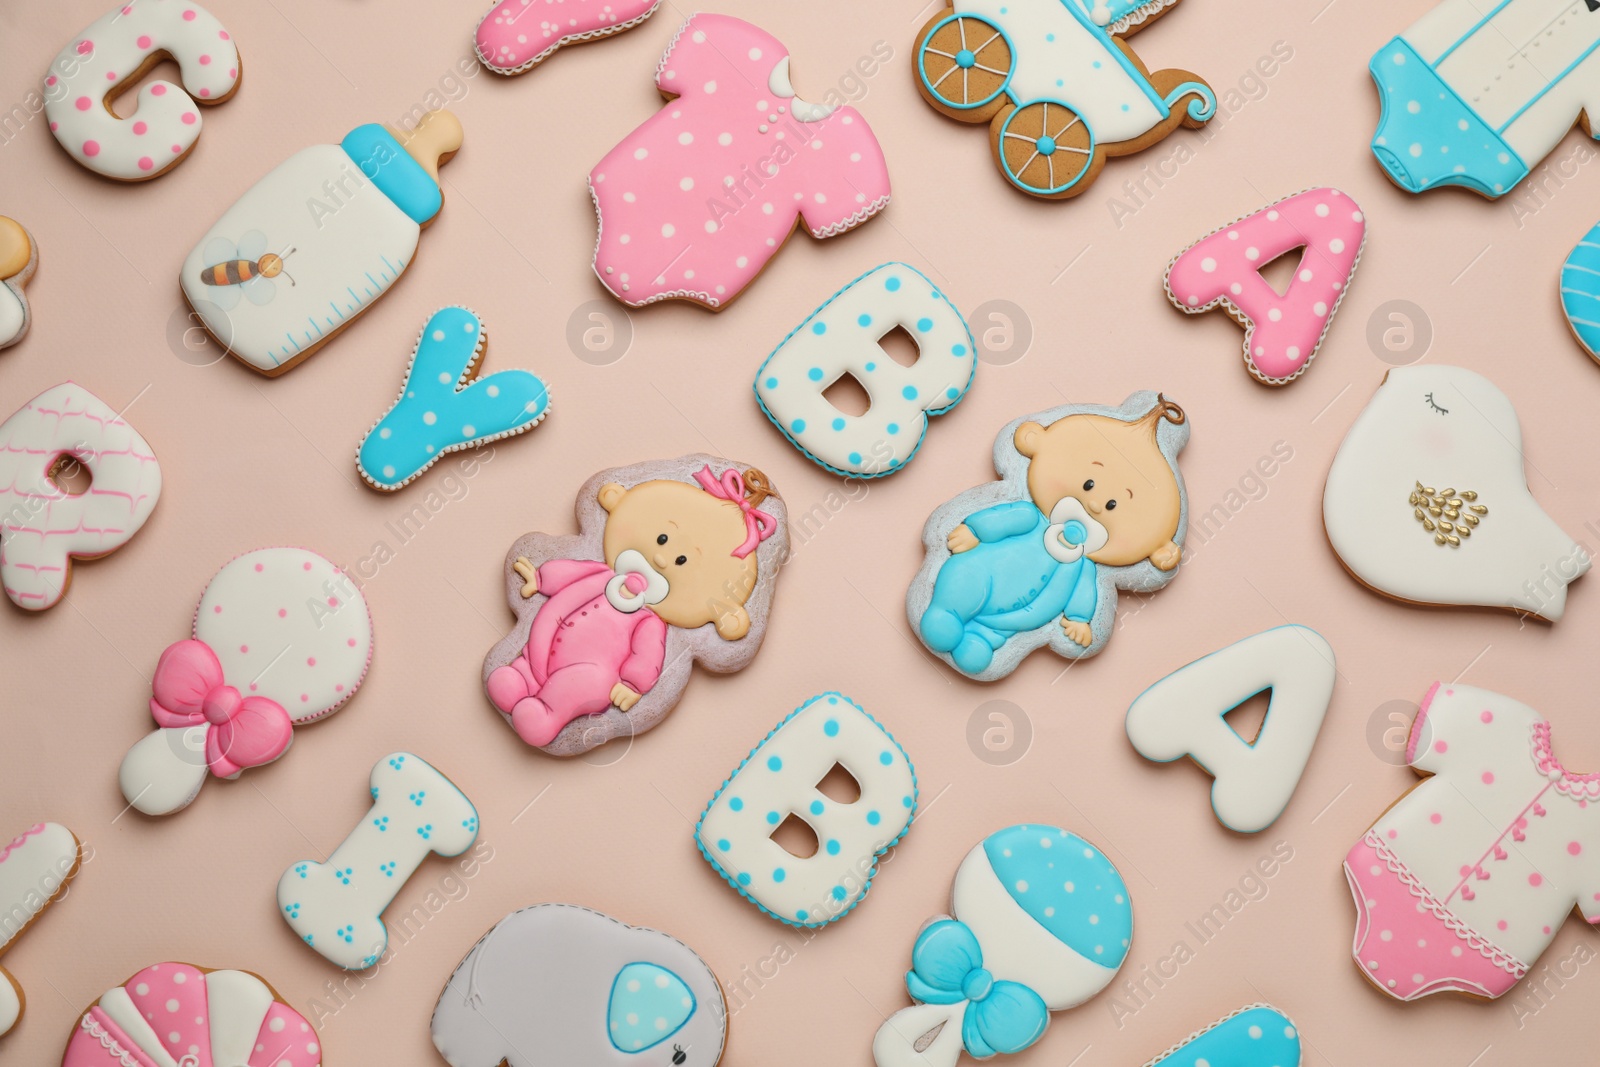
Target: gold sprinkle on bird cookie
x=1450, y=516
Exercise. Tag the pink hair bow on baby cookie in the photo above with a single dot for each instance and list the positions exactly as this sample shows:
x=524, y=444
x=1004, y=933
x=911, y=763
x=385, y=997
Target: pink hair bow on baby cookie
x=241, y=731
x=735, y=487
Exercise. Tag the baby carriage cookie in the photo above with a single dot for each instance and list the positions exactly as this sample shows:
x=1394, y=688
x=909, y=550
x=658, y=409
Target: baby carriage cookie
x=19, y=258
x=517, y=35
x=35, y=868
x=1090, y=501
x=677, y=563
x=1053, y=125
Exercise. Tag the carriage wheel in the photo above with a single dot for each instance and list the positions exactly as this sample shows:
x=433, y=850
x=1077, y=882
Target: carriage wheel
x=1045, y=148
x=964, y=62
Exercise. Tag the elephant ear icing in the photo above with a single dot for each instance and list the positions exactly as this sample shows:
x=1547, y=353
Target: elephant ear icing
x=648, y=1005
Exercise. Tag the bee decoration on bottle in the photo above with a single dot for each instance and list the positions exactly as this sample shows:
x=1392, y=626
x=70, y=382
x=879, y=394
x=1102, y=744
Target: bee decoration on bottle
x=244, y=268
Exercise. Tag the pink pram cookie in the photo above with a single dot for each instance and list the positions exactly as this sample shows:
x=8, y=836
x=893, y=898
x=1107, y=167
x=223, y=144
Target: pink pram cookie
x=35, y=868
x=694, y=202
x=517, y=35
x=119, y=49
x=1463, y=882
x=677, y=563
x=176, y=1013
x=1282, y=331
x=282, y=637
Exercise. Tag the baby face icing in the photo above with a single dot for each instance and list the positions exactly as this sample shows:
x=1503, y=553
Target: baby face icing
x=1109, y=492
x=685, y=545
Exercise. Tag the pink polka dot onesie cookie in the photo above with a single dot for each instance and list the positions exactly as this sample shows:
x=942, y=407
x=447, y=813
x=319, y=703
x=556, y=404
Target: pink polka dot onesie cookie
x=694, y=202
x=1462, y=884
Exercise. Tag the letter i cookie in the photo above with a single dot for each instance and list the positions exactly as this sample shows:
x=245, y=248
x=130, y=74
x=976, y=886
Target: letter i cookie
x=337, y=907
x=517, y=35
x=34, y=871
x=1282, y=331
x=118, y=50
x=19, y=258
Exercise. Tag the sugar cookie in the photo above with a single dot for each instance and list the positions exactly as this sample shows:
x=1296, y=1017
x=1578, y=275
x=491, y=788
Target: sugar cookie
x=1580, y=291
x=1052, y=125
x=179, y=1015
x=1257, y=1035
x=43, y=525
x=337, y=907
x=779, y=779
x=557, y=983
x=1090, y=501
x=34, y=871
x=1282, y=331
x=1463, y=882
x=19, y=258
x=1041, y=924
x=841, y=338
x=444, y=405
x=116, y=51
x=1427, y=501
x=282, y=637
x=310, y=246
x=1182, y=715
x=516, y=36
x=676, y=564
x=695, y=201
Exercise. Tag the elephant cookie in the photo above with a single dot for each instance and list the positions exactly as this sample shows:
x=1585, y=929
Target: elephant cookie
x=516, y=36
x=281, y=638
x=19, y=258
x=1090, y=501
x=676, y=563
x=34, y=871
x=178, y=1014
x=558, y=983
x=1427, y=502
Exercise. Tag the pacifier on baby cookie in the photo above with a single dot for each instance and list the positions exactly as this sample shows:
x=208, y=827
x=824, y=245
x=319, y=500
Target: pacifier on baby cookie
x=1073, y=532
x=636, y=584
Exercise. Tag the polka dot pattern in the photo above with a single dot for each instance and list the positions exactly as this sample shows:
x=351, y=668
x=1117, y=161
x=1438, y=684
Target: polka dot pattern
x=1066, y=885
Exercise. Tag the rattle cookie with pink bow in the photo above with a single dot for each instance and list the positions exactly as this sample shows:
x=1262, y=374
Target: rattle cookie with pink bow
x=282, y=637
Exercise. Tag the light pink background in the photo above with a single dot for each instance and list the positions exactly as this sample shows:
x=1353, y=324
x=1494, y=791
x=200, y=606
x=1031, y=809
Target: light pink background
x=252, y=462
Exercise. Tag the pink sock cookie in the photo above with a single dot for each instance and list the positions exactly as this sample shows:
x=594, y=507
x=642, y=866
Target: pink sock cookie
x=1463, y=882
x=44, y=526
x=1282, y=332
x=176, y=1013
x=676, y=563
x=694, y=202
x=117, y=50
x=35, y=868
x=517, y=35
x=282, y=637
x=19, y=258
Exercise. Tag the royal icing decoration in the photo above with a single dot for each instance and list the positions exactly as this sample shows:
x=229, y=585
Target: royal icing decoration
x=517, y=35
x=779, y=779
x=281, y=638
x=117, y=50
x=1052, y=125
x=1475, y=93
x=43, y=524
x=1282, y=332
x=1257, y=1035
x=314, y=243
x=557, y=983
x=841, y=338
x=35, y=868
x=444, y=406
x=1580, y=292
x=337, y=907
x=1041, y=923
x=1182, y=715
x=1090, y=501
x=178, y=1015
x=1463, y=883
x=694, y=202
x=19, y=258
x=676, y=564
x=1427, y=502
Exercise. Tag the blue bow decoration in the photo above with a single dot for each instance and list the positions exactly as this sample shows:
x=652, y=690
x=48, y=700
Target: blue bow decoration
x=947, y=968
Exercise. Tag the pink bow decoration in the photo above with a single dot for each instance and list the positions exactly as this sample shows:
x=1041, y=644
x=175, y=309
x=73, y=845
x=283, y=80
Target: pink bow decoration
x=758, y=524
x=188, y=690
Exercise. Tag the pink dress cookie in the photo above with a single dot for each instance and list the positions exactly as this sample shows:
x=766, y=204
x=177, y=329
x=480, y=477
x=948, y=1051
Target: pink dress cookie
x=694, y=202
x=1463, y=883
x=518, y=35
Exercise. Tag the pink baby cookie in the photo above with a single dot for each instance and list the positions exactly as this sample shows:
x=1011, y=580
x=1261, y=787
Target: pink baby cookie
x=174, y=1013
x=518, y=35
x=1223, y=269
x=694, y=202
x=281, y=638
x=117, y=50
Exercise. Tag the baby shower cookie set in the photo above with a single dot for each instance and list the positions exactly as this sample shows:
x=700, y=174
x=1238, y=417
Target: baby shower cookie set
x=674, y=563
